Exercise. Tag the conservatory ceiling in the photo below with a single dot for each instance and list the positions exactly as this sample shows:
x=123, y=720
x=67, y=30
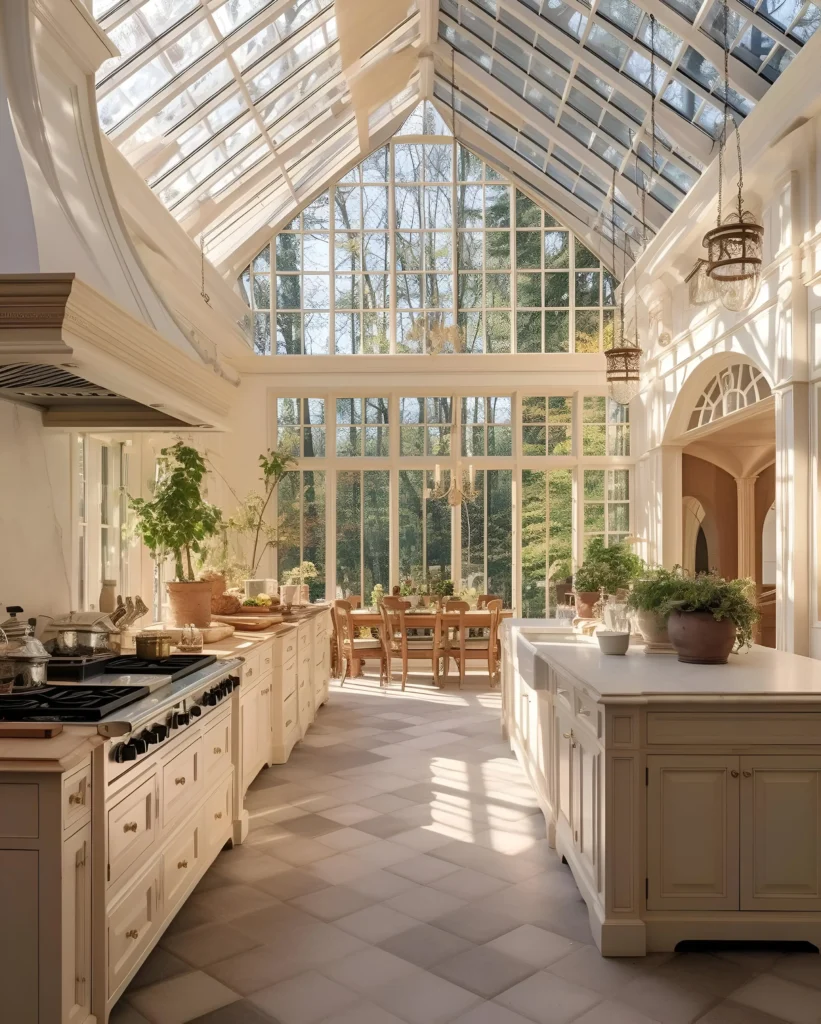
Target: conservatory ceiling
x=237, y=112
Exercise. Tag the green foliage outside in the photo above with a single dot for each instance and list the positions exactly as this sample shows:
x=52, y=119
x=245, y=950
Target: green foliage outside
x=177, y=520
x=610, y=568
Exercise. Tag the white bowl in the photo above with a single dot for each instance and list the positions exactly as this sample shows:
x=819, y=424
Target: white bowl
x=613, y=643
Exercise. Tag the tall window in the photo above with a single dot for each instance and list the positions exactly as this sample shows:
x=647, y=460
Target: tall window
x=424, y=247
x=102, y=473
x=606, y=495
x=301, y=525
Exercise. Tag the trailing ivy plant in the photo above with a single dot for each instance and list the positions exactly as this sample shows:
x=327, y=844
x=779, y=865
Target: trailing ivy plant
x=177, y=520
x=653, y=587
x=723, y=599
x=612, y=568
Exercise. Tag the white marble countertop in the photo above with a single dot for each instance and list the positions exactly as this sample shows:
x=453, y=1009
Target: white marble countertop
x=756, y=674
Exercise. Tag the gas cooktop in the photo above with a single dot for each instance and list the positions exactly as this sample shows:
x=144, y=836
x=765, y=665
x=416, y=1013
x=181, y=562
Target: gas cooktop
x=68, y=703
x=174, y=667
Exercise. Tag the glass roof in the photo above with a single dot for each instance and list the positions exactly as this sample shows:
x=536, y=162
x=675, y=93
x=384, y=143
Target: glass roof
x=236, y=111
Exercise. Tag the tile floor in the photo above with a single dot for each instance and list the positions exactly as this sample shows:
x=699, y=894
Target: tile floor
x=396, y=872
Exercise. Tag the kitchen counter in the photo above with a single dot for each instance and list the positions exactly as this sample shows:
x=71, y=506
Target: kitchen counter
x=58, y=754
x=686, y=799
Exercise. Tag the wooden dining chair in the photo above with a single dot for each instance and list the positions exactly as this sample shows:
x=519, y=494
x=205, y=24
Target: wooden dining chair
x=485, y=648
x=485, y=599
x=352, y=649
x=396, y=643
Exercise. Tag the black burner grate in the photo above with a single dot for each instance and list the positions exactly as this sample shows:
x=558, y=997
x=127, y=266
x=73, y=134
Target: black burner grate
x=176, y=666
x=68, y=703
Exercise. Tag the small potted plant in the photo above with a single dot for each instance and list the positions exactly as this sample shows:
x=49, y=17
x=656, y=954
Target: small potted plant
x=647, y=595
x=409, y=589
x=296, y=580
x=708, y=616
x=604, y=568
x=177, y=521
x=377, y=594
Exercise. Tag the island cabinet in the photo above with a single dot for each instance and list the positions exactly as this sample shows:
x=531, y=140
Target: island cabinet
x=687, y=802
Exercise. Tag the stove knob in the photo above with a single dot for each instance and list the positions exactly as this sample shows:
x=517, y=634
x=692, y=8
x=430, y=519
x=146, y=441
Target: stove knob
x=139, y=744
x=234, y=681
x=125, y=752
x=196, y=711
x=149, y=736
x=217, y=694
x=172, y=721
x=160, y=731
x=225, y=687
x=183, y=718
x=208, y=699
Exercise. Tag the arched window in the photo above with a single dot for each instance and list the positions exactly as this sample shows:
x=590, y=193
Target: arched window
x=424, y=247
x=734, y=388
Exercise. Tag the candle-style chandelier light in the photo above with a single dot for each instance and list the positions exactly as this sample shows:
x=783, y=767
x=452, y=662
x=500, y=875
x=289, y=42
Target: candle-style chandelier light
x=462, y=488
x=734, y=244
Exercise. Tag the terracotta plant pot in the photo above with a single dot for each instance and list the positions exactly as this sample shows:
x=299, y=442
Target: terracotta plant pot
x=699, y=639
x=653, y=629
x=190, y=602
x=586, y=601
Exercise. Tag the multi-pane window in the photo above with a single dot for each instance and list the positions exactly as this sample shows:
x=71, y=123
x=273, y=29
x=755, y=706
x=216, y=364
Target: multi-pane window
x=425, y=525
x=605, y=427
x=424, y=247
x=362, y=427
x=301, y=525
x=301, y=426
x=606, y=497
x=425, y=426
x=487, y=535
x=547, y=425
x=547, y=540
x=362, y=531
x=486, y=426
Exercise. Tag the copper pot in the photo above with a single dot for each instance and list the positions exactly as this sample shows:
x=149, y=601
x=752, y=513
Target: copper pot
x=153, y=646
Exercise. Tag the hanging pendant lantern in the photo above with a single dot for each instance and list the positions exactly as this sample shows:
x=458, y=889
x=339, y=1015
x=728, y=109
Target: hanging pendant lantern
x=623, y=373
x=734, y=244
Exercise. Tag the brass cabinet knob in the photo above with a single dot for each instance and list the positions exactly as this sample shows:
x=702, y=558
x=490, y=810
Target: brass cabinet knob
x=182, y=864
x=747, y=775
x=218, y=815
x=130, y=826
x=734, y=773
x=77, y=798
x=180, y=781
x=217, y=750
x=132, y=933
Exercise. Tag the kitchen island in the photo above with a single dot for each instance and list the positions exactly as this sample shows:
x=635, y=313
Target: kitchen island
x=107, y=827
x=686, y=799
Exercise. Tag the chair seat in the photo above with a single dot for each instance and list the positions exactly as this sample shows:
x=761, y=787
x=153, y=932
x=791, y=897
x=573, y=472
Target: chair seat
x=366, y=645
x=474, y=645
x=413, y=645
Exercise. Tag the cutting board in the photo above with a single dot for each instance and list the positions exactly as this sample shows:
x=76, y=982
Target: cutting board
x=29, y=730
x=250, y=622
x=212, y=634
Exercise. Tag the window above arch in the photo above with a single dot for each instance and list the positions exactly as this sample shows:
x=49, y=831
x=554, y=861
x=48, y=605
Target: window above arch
x=732, y=389
x=424, y=247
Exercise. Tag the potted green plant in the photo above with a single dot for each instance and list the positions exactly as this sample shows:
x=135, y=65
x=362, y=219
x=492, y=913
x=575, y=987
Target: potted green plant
x=298, y=578
x=177, y=521
x=708, y=616
x=604, y=568
x=647, y=595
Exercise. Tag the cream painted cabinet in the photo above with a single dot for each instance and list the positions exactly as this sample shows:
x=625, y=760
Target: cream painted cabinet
x=264, y=713
x=780, y=796
x=76, y=873
x=563, y=744
x=692, y=833
x=249, y=729
x=586, y=766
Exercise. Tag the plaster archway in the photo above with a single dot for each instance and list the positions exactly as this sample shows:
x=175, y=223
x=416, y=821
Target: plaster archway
x=692, y=517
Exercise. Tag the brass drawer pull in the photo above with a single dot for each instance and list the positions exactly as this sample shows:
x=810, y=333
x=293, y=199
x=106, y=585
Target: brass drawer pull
x=734, y=773
x=747, y=775
x=217, y=816
x=267, y=661
x=77, y=798
x=182, y=864
x=249, y=672
x=290, y=720
x=180, y=781
x=130, y=826
x=584, y=712
x=132, y=933
x=217, y=750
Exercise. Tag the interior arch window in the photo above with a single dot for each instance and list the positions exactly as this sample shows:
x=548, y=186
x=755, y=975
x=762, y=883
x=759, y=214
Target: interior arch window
x=732, y=389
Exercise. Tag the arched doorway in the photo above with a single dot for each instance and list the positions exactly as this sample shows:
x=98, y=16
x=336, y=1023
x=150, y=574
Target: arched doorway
x=694, y=540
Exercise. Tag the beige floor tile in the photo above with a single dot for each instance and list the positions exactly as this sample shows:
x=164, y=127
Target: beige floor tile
x=381, y=884
x=548, y=1000
x=468, y=884
x=587, y=967
x=491, y=1013
x=347, y=839
x=208, y=943
x=286, y=885
x=363, y=1013
x=424, y=868
x=534, y=945
x=377, y=923
x=383, y=854
x=802, y=968
x=180, y=999
x=484, y=970
x=423, y=998
x=795, y=1003
x=305, y=999
x=425, y=945
x=351, y=814
x=368, y=969
x=424, y=903
x=421, y=839
x=332, y=902
x=340, y=869
x=227, y=901
x=666, y=1001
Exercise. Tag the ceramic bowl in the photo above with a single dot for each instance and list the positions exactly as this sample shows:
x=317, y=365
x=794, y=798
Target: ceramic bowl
x=613, y=643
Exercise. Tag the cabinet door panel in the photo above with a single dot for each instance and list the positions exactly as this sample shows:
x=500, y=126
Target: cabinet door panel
x=781, y=833
x=587, y=764
x=692, y=833
x=19, y=965
x=564, y=782
x=77, y=926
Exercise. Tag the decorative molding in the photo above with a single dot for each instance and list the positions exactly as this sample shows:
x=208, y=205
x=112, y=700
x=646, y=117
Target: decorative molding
x=77, y=29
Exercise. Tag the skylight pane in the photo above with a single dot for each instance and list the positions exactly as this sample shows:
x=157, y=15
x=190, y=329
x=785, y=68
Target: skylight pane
x=235, y=12
x=781, y=13
x=807, y=25
x=607, y=46
x=686, y=8
x=622, y=13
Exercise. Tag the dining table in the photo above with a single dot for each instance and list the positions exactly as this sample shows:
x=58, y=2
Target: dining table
x=424, y=618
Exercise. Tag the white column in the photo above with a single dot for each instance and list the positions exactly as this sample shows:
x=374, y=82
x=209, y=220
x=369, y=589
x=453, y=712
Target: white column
x=792, y=510
x=745, y=490
x=656, y=504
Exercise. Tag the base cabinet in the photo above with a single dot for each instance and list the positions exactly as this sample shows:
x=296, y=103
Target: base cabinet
x=77, y=926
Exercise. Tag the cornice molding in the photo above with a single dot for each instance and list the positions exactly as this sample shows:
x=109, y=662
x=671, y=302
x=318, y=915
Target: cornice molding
x=77, y=29
x=55, y=318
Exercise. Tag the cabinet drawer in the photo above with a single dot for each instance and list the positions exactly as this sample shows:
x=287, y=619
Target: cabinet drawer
x=76, y=796
x=131, y=926
x=217, y=744
x=266, y=659
x=218, y=814
x=304, y=640
x=250, y=670
x=132, y=826
x=289, y=677
x=181, y=781
x=180, y=862
x=768, y=728
x=288, y=647
x=304, y=668
x=289, y=715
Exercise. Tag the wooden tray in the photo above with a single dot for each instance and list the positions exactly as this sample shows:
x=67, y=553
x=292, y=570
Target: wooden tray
x=256, y=609
x=217, y=631
x=245, y=623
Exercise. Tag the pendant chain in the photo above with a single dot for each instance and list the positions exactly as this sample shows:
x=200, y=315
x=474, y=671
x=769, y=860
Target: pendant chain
x=203, y=293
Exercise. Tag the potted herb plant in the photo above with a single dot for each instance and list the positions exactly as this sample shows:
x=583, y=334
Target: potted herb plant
x=647, y=595
x=708, y=616
x=604, y=568
x=177, y=521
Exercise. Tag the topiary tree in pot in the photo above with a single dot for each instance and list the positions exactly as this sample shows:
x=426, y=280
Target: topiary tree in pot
x=177, y=521
x=708, y=616
x=604, y=568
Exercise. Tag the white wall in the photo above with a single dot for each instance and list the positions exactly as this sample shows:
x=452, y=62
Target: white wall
x=35, y=509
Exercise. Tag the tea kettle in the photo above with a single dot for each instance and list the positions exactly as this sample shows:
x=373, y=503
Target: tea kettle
x=23, y=666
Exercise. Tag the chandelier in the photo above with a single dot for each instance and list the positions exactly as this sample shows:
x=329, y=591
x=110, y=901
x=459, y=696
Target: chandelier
x=734, y=244
x=455, y=494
